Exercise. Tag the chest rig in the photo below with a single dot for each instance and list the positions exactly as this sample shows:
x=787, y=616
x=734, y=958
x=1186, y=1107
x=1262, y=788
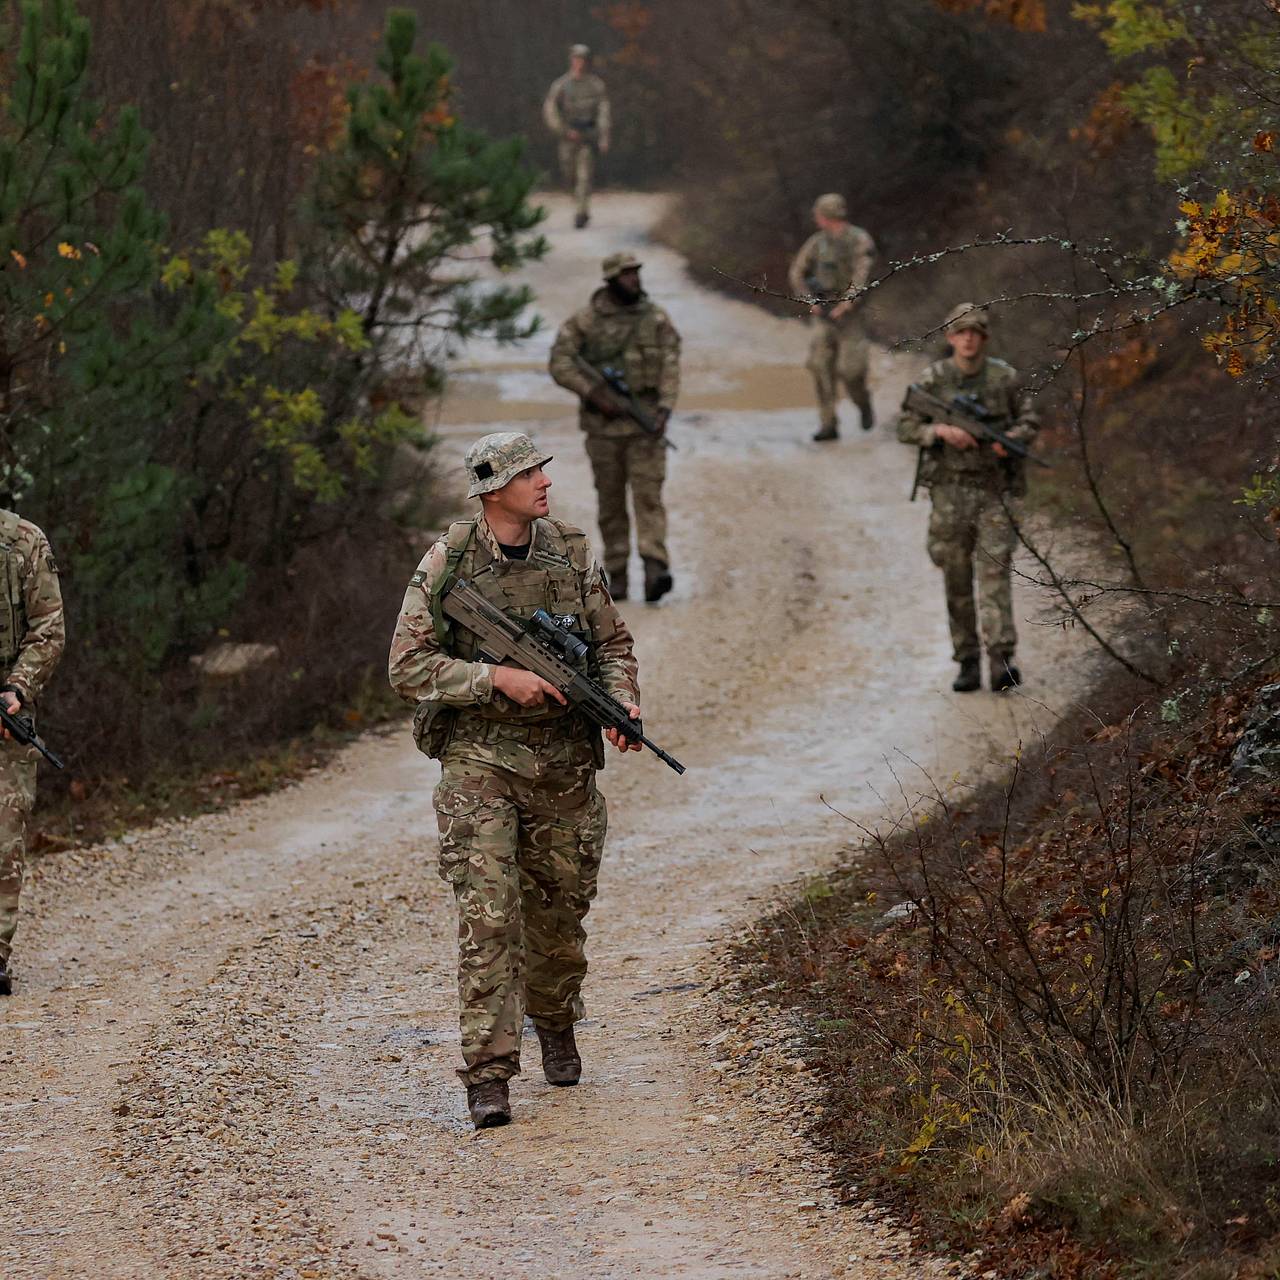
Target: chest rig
x=832, y=268
x=627, y=339
x=551, y=579
x=580, y=102
x=13, y=612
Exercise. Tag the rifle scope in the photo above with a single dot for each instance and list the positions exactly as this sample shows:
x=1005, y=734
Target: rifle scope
x=550, y=632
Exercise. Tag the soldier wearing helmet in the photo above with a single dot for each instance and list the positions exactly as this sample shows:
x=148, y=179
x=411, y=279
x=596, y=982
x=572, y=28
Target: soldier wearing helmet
x=622, y=328
x=834, y=260
x=973, y=489
x=576, y=110
x=522, y=824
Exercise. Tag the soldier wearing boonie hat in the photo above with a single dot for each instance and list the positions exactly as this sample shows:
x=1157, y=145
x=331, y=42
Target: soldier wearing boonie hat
x=973, y=491
x=622, y=328
x=522, y=824
x=576, y=110
x=834, y=260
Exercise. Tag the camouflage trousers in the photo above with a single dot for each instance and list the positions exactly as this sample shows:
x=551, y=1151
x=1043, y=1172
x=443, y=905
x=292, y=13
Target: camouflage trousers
x=639, y=463
x=969, y=527
x=839, y=356
x=521, y=843
x=577, y=168
x=17, y=797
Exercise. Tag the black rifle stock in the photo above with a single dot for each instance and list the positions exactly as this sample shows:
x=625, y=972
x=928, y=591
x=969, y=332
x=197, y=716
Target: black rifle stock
x=548, y=650
x=22, y=730
x=616, y=382
x=969, y=413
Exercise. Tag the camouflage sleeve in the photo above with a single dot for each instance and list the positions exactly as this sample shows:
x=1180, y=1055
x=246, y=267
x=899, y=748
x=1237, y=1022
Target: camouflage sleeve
x=551, y=116
x=1022, y=411
x=419, y=670
x=863, y=257
x=915, y=428
x=604, y=120
x=799, y=268
x=46, y=633
x=615, y=650
x=669, y=378
x=562, y=366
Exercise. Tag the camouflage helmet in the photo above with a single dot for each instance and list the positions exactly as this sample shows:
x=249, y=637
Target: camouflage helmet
x=616, y=263
x=579, y=51
x=968, y=315
x=495, y=460
x=831, y=205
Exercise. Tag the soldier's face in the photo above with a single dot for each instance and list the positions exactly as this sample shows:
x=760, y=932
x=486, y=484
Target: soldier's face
x=577, y=64
x=525, y=496
x=967, y=344
x=628, y=281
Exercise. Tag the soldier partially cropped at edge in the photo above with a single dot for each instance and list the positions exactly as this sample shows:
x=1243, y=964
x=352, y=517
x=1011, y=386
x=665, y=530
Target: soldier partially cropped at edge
x=973, y=490
x=522, y=824
x=32, y=637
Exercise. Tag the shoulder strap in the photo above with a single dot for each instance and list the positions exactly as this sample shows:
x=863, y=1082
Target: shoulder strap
x=457, y=540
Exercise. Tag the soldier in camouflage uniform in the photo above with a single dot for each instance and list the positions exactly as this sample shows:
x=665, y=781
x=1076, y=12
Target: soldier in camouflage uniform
x=576, y=110
x=973, y=490
x=32, y=635
x=622, y=327
x=835, y=259
x=522, y=825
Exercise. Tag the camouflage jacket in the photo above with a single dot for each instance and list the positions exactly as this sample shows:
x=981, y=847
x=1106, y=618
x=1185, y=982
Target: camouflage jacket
x=32, y=627
x=830, y=265
x=638, y=339
x=997, y=386
x=581, y=104
x=421, y=669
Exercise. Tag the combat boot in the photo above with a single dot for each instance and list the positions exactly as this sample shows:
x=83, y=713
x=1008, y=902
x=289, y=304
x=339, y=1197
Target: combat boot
x=824, y=432
x=969, y=677
x=6, y=982
x=580, y=220
x=617, y=584
x=489, y=1104
x=657, y=581
x=1004, y=674
x=561, y=1062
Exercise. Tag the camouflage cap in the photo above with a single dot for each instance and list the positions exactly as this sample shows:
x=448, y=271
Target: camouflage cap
x=579, y=51
x=495, y=460
x=616, y=263
x=968, y=315
x=831, y=205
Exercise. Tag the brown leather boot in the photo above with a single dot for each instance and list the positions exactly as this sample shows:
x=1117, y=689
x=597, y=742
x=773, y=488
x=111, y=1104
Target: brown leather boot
x=561, y=1063
x=489, y=1104
x=657, y=581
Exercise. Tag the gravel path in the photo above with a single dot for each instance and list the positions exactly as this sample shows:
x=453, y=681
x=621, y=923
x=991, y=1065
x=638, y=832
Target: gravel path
x=231, y=1049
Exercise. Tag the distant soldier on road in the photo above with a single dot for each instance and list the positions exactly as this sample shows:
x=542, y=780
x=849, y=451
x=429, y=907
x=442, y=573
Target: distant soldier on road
x=32, y=636
x=973, y=490
x=522, y=825
x=622, y=328
x=835, y=259
x=576, y=110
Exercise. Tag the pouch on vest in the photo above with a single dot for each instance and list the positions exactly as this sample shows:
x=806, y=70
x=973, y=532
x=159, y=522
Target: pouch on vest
x=433, y=724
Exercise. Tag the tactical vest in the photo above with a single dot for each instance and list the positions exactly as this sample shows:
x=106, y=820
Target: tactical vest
x=831, y=269
x=13, y=609
x=551, y=579
x=630, y=340
x=975, y=468
x=580, y=102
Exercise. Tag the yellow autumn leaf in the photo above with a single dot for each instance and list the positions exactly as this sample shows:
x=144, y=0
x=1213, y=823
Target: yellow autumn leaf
x=19, y=259
x=66, y=250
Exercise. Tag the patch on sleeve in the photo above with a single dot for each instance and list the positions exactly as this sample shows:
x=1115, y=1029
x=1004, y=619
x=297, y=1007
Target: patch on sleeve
x=419, y=577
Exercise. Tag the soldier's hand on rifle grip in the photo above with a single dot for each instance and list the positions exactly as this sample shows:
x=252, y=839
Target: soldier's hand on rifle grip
x=617, y=739
x=13, y=705
x=956, y=437
x=660, y=419
x=525, y=688
x=602, y=402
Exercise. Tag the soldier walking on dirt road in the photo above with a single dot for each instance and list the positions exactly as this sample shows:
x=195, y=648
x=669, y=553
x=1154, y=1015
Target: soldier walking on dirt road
x=835, y=259
x=622, y=328
x=32, y=637
x=576, y=110
x=973, y=489
x=522, y=824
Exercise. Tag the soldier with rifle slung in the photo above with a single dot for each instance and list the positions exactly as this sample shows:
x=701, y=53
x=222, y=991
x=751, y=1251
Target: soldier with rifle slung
x=973, y=423
x=32, y=637
x=576, y=110
x=522, y=825
x=622, y=338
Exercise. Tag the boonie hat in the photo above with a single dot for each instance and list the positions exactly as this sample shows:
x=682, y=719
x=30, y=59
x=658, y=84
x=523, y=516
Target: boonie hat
x=968, y=315
x=495, y=460
x=616, y=263
x=579, y=51
x=831, y=205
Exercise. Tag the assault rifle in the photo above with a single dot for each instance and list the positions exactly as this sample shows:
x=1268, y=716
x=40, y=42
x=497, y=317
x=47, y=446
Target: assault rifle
x=616, y=381
x=22, y=729
x=544, y=647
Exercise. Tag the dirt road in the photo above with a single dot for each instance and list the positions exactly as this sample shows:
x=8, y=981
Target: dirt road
x=231, y=1051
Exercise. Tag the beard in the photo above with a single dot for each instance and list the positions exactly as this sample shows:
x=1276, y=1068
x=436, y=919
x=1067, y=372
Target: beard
x=623, y=294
